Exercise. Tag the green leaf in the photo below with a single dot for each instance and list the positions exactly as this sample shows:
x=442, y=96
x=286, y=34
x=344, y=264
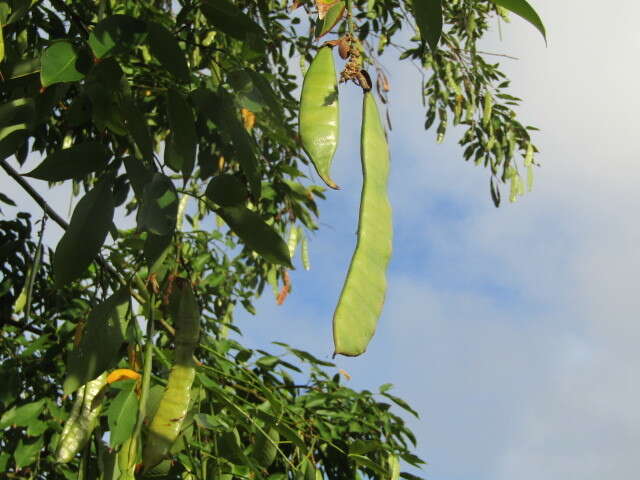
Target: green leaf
x=360, y=447
x=61, y=63
x=122, y=415
x=159, y=208
x=229, y=19
x=226, y=190
x=524, y=10
x=368, y=463
x=333, y=16
x=165, y=48
x=26, y=452
x=116, y=34
x=136, y=124
x=229, y=447
x=265, y=447
x=21, y=416
x=18, y=111
x=75, y=162
x=22, y=68
x=222, y=110
x=183, y=130
x=401, y=403
x=139, y=175
x=101, y=339
x=428, y=15
x=83, y=239
x=256, y=234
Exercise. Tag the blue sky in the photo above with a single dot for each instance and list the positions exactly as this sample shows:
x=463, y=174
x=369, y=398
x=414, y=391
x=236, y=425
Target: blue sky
x=512, y=331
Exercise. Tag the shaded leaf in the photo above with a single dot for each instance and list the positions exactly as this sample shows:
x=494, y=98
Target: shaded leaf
x=136, y=124
x=72, y=163
x=183, y=131
x=165, y=48
x=428, y=15
x=159, y=208
x=226, y=190
x=229, y=19
x=256, y=234
x=102, y=337
x=116, y=34
x=83, y=239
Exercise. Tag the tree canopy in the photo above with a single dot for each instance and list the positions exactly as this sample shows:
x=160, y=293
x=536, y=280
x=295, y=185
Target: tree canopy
x=188, y=115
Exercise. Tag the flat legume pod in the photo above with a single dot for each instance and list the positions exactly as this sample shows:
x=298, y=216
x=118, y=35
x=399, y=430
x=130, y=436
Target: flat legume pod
x=167, y=422
x=319, y=113
x=82, y=420
x=362, y=297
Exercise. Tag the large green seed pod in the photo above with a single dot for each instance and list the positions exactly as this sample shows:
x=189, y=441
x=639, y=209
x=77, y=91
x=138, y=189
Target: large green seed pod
x=167, y=422
x=319, y=113
x=362, y=297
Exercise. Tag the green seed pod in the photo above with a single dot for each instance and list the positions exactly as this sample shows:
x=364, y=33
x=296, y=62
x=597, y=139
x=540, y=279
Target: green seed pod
x=167, y=421
x=362, y=297
x=487, y=109
x=82, y=420
x=319, y=113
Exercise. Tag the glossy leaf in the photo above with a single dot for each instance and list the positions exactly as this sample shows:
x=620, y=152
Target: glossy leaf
x=61, y=62
x=362, y=297
x=428, y=15
x=159, y=208
x=72, y=163
x=226, y=190
x=102, y=337
x=87, y=231
x=523, y=9
x=165, y=48
x=116, y=34
x=319, y=113
x=256, y=234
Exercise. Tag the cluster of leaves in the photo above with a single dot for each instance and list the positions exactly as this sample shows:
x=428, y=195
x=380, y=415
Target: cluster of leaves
x=145, y=106
x=253, y=414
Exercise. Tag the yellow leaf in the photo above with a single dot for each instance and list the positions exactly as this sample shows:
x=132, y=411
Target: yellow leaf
x=249, y=118
x=122, y=374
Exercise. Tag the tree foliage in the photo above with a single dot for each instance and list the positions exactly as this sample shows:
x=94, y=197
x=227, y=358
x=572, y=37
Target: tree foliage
x=184, y=115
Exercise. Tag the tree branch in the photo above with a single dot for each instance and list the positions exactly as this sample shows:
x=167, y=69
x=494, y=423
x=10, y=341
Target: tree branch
x=53, y=214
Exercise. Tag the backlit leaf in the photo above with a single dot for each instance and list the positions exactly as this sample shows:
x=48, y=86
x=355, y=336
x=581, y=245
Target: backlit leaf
x=102, y=337
x=159, y=208
x=75, y=162
x=256, y=234
x=122, y=415
x=428, y=15
x=83, y=239
x=524, y=10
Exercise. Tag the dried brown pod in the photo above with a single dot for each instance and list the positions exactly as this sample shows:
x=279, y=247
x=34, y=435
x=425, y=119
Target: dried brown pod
x=344, y=46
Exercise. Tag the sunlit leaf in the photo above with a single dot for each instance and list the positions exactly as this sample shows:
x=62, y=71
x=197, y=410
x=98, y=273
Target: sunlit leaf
x=61, y=62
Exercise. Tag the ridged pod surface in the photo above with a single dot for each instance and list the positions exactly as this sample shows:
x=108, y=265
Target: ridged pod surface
x=167, y=422
x=362, y=297
x=82, y=420
x=320, y=114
